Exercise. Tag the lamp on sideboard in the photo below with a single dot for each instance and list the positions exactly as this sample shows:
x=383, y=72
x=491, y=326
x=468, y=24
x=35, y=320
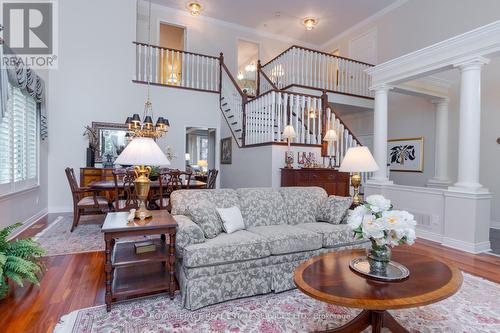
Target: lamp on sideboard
x=289, y=134
x=330, y=138
x=142, y=151
x=356, y=160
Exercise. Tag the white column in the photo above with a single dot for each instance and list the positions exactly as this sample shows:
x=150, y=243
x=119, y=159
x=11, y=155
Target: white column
x=440, y=178
x=470, y=126
x=380, y=134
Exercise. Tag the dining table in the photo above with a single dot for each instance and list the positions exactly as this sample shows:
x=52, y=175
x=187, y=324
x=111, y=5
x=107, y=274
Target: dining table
x=108, y=185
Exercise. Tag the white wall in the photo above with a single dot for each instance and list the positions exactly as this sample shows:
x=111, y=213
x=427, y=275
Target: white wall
x=419, y=23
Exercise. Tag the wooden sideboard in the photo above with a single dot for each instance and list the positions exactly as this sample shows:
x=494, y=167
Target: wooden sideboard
x=89, y=175
x=333, y=181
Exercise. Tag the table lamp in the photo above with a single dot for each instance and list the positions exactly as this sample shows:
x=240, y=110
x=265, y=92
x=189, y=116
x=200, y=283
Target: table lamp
x=289, y=134
x=140, y=152
x=356, y=160
x=330, y=137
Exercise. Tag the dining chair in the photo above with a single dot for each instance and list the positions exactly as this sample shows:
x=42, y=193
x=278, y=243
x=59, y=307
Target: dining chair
x=169, y=181
x=85, y=204
x=125, y=197
x=211, y=178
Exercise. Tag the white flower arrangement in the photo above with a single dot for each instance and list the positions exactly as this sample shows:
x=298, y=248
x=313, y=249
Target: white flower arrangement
x=375, y=220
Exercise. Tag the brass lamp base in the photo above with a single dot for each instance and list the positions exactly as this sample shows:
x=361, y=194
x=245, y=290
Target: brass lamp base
x=142, y=185
x=355, y=182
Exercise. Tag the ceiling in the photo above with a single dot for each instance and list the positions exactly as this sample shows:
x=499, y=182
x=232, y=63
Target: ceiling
x=284, y=17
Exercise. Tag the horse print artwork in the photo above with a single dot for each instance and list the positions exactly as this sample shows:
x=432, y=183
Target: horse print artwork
x=406, y=154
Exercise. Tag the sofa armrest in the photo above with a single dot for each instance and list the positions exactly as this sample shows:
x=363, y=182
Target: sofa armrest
x=188, y=233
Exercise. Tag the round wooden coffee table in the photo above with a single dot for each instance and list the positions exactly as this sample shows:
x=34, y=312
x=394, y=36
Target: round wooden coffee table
x=328, y=278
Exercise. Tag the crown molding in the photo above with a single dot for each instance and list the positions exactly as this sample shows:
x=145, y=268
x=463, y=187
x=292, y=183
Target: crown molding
x=438, y=57
x=230, y=25
x=361, y=24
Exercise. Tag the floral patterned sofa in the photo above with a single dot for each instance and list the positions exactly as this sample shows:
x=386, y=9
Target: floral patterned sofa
x=281, y=232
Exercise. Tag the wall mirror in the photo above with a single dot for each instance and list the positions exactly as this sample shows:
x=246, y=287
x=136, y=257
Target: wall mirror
x=113, y=138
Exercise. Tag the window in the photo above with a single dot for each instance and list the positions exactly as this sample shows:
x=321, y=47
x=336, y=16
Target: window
x=18, y=143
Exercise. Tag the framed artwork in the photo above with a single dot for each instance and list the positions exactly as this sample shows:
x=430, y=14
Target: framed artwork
x=306, y=158
x=406, y=155
x=226, y=150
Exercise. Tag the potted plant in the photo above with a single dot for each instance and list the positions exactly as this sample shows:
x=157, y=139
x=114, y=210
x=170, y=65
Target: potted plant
x=19, y=260
x=376, y=221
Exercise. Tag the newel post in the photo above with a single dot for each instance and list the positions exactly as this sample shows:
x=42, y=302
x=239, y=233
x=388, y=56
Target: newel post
x=244, y=101
x=324, y=125
x=221, y=62
x=259, y=66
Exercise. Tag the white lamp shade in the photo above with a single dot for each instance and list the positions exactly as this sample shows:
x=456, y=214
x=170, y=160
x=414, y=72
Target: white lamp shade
x=358, y=159
x=188, y=157
x=142, y=151
x=330, y=136
x=289, y=132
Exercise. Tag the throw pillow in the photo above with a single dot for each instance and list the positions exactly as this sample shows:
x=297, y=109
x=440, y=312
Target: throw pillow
x=333, y=209
x=204, y=214
x=232, y=220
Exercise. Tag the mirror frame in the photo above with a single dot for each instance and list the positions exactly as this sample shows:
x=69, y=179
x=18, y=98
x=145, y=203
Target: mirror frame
x=98, y=126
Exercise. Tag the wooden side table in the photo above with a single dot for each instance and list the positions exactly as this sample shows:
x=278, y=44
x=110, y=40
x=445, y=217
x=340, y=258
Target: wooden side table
x=124, y=279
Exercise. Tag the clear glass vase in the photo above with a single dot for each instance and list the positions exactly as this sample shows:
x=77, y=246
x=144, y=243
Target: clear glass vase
x=379, y=257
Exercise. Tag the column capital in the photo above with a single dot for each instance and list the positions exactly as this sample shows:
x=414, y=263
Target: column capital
x=475, y=62
x=440, y=101
x=381, y=87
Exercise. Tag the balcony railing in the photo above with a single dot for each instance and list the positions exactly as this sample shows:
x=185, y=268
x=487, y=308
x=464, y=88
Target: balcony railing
x=176, y=68
x=303, y=67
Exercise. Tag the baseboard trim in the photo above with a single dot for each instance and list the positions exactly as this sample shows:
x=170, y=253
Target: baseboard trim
x=60, y=209
x=495, y=225
x=474, y=248
x=428, y=235
x=28, y=223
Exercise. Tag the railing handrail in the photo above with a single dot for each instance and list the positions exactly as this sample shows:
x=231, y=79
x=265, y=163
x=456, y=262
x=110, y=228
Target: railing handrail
x=176, y=50
x=268, y=79
x=337, y=116
x=283, y=92
x=317, y=51
x=242, y=94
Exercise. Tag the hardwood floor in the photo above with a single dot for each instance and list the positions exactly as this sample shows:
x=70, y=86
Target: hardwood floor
x=76, y=281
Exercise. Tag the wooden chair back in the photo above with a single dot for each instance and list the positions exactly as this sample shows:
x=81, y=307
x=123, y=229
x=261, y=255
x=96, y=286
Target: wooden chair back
x=73, y=185
x=125, y=197
x=171, y=180
x=212, y=178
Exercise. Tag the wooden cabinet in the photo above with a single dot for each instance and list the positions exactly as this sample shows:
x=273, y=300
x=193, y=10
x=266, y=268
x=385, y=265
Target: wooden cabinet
x=333, y=181
x=89, y=175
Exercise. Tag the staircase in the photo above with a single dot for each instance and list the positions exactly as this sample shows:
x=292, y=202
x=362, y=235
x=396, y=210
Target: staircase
x=261, y=120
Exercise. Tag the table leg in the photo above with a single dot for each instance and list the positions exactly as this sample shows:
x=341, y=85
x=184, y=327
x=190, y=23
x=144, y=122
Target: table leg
x=109, y=276
x=376, y=319
x=171, y=264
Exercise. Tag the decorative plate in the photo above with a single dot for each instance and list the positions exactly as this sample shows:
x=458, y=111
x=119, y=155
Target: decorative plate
x=395, y=271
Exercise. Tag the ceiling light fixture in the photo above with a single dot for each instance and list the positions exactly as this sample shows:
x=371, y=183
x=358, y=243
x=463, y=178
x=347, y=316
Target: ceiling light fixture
x=194, y=8
x=310, y=23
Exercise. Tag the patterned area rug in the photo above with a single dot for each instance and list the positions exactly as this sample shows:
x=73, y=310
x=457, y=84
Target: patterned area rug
x=57, y=239
x=475, y=308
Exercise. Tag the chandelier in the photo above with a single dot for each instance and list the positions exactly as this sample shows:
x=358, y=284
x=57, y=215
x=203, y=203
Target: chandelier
x=147, y=128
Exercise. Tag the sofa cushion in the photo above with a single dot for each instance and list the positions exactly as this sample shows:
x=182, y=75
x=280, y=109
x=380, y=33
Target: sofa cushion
x=332, y=234
x=333, y=209
x=284, y=238
x=226, y=248
x=204, y=214
x=261, y=206
x=188, y=233
x=302, y=203
x=221, y=198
